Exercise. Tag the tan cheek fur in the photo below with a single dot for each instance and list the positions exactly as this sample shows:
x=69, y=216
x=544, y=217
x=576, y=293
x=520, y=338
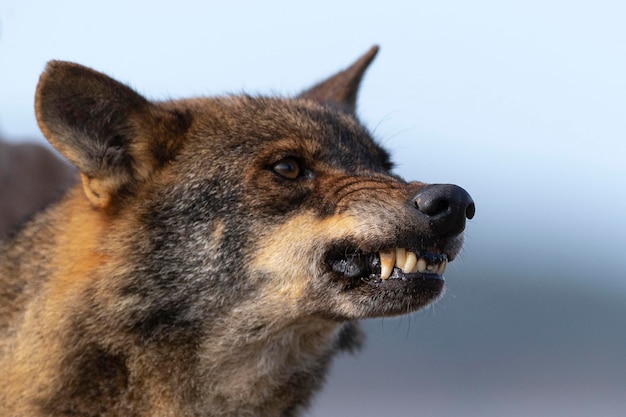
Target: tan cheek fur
x=287, y=253
x=291, y=253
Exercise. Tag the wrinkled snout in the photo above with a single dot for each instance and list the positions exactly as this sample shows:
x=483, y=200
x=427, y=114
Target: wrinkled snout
x=446, y=206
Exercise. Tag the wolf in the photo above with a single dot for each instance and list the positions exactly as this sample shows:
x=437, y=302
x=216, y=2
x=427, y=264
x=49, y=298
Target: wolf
x=216, y=253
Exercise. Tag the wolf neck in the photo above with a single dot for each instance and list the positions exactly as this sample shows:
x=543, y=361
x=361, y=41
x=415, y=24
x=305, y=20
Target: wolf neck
x=233, y=373
x=276, y=369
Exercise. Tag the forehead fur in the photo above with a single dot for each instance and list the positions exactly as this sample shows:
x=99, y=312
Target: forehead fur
x=240, y=125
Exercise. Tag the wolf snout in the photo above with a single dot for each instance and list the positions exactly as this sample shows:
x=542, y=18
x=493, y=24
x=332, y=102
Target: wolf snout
x=446, y=207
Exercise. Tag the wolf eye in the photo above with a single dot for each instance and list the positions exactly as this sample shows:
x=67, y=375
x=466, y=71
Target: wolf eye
x=288, y=168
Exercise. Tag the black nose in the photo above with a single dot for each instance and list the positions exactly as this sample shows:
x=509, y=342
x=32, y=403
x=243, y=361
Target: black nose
x=447, y=206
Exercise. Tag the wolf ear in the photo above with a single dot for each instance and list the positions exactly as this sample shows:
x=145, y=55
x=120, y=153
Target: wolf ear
x=341, y=89
x=114, y=136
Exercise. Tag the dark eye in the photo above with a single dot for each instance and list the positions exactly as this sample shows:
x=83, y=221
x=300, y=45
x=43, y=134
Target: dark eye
x=288, y=168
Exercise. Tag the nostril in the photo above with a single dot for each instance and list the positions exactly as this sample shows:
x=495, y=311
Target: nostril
x=470, y=211
x=432, y=206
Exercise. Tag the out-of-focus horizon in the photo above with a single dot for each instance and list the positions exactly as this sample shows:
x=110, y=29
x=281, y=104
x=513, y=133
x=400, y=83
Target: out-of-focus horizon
x=522, y=103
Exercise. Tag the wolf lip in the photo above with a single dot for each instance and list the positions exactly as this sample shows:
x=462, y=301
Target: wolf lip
x=393, y=263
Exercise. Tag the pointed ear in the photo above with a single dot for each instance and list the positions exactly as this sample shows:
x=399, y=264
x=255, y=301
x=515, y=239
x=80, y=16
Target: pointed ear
x=114, y=136
x=341, y=89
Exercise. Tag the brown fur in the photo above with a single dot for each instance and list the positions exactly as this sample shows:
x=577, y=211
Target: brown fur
x=196, y=269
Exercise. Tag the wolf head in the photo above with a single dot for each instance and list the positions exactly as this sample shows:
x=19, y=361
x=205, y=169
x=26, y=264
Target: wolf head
x=263, y=208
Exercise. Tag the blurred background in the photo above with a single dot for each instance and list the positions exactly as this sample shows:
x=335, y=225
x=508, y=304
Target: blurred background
x=523, y=103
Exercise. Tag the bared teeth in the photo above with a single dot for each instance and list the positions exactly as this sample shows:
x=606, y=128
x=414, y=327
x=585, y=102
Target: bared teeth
x=387, y=262
x=411, y=262
x=401, y=258
x=442, y=267
x=421, y=265
x=408, y=262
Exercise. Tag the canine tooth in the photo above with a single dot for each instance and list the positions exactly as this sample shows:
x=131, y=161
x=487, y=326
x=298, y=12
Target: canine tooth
x=409, y=264
x=442, y=267
x=421, y=265
x=387, y=261
x=400, y=257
